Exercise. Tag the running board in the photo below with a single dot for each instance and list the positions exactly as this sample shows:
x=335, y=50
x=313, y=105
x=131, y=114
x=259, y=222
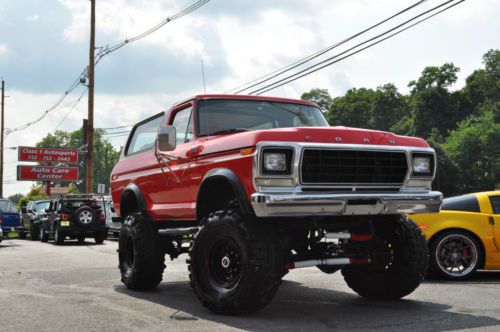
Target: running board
x=178, y=231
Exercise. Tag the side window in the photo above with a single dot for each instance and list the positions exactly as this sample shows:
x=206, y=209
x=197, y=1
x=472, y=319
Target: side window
x=466, y=203
x=495, y=204
x=183, y=122
x=144, y=135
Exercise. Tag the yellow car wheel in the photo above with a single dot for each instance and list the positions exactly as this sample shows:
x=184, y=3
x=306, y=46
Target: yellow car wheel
x=455, y=255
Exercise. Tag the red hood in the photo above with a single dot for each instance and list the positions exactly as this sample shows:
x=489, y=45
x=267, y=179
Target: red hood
x=342, y=135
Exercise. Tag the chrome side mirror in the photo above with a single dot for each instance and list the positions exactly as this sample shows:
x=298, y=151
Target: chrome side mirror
x=167, y=138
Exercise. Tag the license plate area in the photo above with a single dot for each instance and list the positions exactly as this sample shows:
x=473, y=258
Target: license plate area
x=64, y=222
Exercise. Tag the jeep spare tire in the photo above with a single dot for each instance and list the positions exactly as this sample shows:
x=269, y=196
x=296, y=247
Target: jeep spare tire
x=84, y=216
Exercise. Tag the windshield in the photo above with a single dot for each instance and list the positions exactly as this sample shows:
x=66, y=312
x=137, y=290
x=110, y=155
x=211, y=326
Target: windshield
x=4, y=205
x=226, y=115
x=41, y=206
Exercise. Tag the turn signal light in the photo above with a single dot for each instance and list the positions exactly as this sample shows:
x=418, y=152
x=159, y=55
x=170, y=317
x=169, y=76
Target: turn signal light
x=423, y=227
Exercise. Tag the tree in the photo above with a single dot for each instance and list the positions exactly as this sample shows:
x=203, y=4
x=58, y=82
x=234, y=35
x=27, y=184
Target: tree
x=36, y=193
x=319, y=96
x=449, y=178
x=435, y=77
x=73, y=189
x=475, y=148
x=105, y=155
x=389, y=107
x=354, y=109
x=484, y=84
x=15, y=198
x=434, y=106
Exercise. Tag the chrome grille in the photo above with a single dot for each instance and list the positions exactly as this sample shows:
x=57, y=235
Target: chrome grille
x=353, y=167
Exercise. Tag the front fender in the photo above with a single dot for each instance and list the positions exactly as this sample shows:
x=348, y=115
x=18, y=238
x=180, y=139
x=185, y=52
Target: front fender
x=234, y=182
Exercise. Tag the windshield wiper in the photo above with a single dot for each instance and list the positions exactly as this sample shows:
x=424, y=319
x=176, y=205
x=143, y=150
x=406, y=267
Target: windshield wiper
x=228, y=131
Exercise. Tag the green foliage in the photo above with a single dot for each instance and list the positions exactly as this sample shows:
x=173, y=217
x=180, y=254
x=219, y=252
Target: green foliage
x=389, y=105
x=73, y=189
x=366, y=108
x=463, y=126
x=36, y=193
x=319, y=96
x=435, y=77
x=105, y=155
x=448, y=176
x=475, y=147
x=15, y=198
x=354, y=109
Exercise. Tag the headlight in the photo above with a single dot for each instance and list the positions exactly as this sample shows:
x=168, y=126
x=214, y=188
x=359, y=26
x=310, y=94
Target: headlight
x=277, y=161
x=422, y=165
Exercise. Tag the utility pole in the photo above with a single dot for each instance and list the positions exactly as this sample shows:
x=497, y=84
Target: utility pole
x=1, y=142
x=84, y=159
x=89, y=179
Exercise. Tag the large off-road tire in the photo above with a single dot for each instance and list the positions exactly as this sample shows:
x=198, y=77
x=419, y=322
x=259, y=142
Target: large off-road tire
x=84, y=216
x=455, y=255
x=59, y=235
x=235, y=266
x=44, y=236
x=100, y=236
x=399, y=262
x=141, y=256
x=34, y=231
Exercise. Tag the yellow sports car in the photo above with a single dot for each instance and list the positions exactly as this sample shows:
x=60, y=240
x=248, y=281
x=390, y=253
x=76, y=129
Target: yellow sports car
x=464, y=236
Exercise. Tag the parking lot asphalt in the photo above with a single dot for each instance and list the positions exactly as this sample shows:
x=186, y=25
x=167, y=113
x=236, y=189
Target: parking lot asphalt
x=76, y=287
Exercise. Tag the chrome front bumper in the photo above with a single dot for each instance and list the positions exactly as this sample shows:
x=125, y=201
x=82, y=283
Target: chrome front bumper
x=334, y=204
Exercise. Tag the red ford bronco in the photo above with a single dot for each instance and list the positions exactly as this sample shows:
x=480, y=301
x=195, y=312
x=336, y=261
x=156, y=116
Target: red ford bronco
x=252, y=187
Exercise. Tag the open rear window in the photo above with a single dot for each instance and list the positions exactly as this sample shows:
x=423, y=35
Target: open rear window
x=467, y=203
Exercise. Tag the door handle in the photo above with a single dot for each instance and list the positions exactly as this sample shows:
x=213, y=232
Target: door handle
x=491, y=220
x=193, y=152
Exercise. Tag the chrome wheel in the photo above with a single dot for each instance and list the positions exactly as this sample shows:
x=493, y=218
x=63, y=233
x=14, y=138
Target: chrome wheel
x=85, y=217
x=456, y=255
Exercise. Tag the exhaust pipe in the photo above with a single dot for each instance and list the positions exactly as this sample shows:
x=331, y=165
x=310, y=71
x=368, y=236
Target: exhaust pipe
x=349, y=236
x=327, y=261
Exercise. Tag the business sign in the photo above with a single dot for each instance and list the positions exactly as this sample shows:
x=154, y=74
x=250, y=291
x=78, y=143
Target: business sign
x=47, y=155
x=46, y=173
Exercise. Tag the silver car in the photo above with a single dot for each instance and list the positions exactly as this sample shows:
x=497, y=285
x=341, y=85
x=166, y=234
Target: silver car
x=114, y=226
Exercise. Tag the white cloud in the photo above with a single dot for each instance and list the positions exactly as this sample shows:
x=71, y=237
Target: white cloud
x=33, y=18
x=3, y=48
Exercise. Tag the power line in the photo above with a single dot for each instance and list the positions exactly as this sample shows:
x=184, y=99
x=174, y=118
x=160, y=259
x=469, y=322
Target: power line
x=329, y=61
x=118, y=132
x=300, y=62
x=72, y=108
x=103, y=51
x=70, y=89
x=119, y=127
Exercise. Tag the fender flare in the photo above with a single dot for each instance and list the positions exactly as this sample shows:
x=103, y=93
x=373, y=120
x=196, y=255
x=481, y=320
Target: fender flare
x=234, y=181
x=133, y=189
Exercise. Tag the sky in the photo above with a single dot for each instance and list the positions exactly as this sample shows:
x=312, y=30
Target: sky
x=44, y=45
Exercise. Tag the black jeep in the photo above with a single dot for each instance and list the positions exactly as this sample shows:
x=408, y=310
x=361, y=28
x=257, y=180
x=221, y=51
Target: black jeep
x=76, y=216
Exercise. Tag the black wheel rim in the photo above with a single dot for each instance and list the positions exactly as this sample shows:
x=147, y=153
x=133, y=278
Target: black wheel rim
x=224, y=263
x=456, y=255
x=382, y=255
